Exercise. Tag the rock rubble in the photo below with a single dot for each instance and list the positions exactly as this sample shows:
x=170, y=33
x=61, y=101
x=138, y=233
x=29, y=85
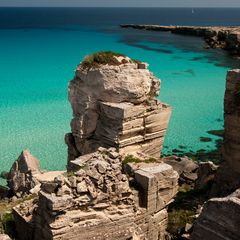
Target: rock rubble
x=99, y=201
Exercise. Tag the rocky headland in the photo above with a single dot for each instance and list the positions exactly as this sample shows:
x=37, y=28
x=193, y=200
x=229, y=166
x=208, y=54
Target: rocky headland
x=116, y=185
x=227, y=38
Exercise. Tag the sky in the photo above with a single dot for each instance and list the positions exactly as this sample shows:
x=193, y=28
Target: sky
x=120, y=3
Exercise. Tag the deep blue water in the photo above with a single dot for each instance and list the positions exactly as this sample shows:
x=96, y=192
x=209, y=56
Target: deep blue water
x=40, y=48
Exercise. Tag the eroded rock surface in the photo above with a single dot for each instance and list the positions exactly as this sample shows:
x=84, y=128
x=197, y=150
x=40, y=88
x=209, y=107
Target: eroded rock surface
x=115, y=106
x=99, y=201
x=219, y=219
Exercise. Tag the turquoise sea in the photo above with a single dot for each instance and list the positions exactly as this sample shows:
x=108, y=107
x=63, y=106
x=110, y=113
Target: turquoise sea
x=40, y=48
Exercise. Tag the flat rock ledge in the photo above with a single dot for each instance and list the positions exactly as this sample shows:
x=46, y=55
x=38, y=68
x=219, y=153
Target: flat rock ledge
x=100, y=201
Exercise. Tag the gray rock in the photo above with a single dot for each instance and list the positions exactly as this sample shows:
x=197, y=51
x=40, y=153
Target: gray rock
x=186, y=168
x=219, y=219
x=49, y=187
x=22, y=176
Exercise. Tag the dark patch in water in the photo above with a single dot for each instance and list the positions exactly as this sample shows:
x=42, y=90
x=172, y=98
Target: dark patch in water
x=205, y=139
x=197, y=58
x=182, y=147
x=219, y=133
x=201, y=154
x=190, y=71
x=161, y=50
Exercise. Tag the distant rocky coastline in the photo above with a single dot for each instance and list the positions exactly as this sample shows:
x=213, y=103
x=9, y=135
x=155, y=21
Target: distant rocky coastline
x=227, y=38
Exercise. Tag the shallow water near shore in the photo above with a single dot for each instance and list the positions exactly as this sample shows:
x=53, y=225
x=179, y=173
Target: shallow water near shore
x=38, y=59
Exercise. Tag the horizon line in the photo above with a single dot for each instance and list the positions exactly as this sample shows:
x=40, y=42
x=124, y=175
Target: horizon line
x=196, y=7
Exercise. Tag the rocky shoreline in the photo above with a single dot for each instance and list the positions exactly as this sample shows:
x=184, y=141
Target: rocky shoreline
x=227, y=38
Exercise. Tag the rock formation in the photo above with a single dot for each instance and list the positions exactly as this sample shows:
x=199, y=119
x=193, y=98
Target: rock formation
x=22, y=176
x=231, y=153
x=185, y=167
x=99, y=201
x=107, y=192
x=219, y=219
x=114, y=105
x=227, y=38
x=227, y=178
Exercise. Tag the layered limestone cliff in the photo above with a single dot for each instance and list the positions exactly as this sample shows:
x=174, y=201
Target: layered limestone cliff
x=107, y=193
x=115, y=105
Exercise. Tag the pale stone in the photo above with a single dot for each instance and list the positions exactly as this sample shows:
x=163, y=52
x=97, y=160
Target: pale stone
x=115, y=106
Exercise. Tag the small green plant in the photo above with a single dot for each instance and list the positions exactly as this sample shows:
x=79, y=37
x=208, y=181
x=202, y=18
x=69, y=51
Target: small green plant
x=150, y=160
x=131, y=159
x=69, y=174
x=178, y=218
x=8, y=225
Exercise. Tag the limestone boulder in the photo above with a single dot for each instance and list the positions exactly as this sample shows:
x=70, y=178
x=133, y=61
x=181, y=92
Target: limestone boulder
x=186, y=168
x=22, y=176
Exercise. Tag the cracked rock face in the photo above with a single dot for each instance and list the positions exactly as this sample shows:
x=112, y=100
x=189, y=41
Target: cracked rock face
x=116, y=106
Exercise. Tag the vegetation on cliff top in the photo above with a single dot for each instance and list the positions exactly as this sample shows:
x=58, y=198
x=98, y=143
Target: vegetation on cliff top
x=103, y=58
